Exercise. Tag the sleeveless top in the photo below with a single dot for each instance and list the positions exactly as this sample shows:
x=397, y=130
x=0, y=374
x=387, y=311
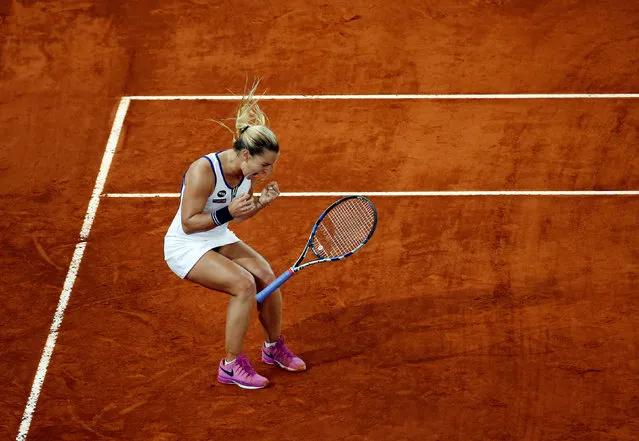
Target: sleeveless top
x=221, y=196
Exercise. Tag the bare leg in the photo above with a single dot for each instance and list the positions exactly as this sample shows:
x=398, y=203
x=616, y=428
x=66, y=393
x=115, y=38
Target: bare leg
x=217, y=272
x=237, y=323
x=270, y=315
x=270, y=311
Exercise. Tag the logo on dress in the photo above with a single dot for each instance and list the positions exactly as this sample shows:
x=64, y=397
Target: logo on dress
x=221, y=193
x=233, y=192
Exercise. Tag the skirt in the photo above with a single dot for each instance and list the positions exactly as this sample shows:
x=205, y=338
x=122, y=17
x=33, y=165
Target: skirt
x=182, y=253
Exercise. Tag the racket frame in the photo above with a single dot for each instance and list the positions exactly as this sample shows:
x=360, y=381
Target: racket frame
x=279, y=281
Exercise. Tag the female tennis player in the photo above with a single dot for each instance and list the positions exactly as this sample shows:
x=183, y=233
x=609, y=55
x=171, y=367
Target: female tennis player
x=217, y=189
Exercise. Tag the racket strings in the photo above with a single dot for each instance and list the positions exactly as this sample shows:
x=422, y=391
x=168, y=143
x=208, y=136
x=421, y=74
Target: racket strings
x=346, y=235
x=344, y=228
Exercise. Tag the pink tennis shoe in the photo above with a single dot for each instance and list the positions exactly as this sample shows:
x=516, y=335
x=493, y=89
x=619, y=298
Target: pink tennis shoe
x=280, y=355
x=241, y=373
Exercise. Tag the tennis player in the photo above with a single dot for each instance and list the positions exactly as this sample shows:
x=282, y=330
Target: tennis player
x=199, y=246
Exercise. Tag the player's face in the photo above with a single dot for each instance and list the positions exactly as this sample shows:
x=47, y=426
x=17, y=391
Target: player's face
x=258, y=165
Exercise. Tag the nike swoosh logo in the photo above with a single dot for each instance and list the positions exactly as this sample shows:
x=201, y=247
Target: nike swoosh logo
x=269, y=355
x=229, y=373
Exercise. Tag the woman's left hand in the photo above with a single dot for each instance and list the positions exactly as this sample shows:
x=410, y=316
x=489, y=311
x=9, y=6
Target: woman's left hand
x=269, y=193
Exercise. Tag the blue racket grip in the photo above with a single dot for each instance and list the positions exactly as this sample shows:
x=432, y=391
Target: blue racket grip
x=274, y=285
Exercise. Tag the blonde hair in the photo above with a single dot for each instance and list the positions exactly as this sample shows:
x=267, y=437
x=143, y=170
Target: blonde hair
x=251, y=126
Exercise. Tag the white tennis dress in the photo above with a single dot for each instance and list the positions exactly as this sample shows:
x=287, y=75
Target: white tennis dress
x=181, y=250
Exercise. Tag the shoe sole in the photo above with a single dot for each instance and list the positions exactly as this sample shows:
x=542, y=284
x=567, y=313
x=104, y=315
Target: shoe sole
x=275, y=362
x=243, y=386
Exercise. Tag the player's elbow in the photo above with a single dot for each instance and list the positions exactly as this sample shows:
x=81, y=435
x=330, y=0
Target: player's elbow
x=188, y=228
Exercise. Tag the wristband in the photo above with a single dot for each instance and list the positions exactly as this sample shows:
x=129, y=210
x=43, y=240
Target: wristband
x=222, y=216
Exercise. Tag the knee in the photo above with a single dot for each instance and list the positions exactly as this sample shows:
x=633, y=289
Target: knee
x=244, y=287
x=265, y=274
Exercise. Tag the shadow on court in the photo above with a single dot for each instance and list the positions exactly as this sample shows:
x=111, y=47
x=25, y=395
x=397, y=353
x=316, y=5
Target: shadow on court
x=430, y=328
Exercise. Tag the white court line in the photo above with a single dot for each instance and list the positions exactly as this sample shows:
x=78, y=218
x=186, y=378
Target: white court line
x=74, y=266
x=412, y=193
x=495, y=96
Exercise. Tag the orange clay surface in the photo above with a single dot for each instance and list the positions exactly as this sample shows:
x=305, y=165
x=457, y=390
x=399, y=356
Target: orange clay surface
x=465, y=318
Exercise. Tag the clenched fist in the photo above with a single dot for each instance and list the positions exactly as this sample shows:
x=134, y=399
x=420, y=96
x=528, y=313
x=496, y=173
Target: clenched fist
x=242, y=205
x=269, y=193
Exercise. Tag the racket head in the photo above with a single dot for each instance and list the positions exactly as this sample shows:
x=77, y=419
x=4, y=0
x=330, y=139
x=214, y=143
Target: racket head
x=344, y=227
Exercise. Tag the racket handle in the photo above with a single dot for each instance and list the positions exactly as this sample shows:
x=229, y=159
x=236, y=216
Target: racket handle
x=274, y=285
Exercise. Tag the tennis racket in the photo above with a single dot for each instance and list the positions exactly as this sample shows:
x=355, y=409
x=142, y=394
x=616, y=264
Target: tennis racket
x=342, y=229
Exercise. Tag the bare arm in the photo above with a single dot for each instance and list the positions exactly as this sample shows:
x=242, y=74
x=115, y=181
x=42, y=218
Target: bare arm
x=199, y=182
x=269, y=193
x=255, y=207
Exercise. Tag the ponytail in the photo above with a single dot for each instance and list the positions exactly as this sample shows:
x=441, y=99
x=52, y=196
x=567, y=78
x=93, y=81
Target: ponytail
x=251, y=126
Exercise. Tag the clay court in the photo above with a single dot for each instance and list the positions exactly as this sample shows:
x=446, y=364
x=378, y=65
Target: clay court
x=497, y=299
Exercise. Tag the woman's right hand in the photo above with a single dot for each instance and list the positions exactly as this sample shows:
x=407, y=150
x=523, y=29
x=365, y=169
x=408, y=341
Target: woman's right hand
x=242, y=205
